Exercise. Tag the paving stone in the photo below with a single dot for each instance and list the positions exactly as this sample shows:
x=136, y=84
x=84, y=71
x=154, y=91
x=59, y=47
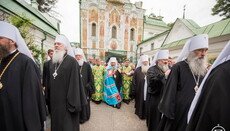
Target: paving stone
x=107, y=118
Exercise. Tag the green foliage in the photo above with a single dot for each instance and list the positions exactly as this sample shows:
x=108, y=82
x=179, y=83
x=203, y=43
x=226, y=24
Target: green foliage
x=222, y=8
x=170, y=24
x=25, y=28
x=211, y=61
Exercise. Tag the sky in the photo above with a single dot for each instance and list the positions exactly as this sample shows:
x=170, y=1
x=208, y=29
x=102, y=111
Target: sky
x=197, y=10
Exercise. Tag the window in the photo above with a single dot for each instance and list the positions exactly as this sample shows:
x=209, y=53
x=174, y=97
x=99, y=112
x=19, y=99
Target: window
x=114, y=32
x=132, y=34
x=93, y=29
x=152, y=46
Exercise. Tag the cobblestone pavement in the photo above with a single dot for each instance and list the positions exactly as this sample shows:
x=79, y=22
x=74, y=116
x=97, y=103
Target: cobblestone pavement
x=107, y=118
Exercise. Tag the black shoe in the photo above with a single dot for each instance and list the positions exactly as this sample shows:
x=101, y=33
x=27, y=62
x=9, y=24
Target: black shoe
x=81, y=121
x=126, y=101
x=97, y=102
x=118, y=106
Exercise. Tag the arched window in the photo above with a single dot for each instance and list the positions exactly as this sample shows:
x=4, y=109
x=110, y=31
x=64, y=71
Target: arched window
x=93, y=29
x=132, y=33
x=114, y=32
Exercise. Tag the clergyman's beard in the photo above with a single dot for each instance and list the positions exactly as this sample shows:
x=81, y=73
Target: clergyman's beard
x=197, y=65
x=144, y=69
x=80, y=62
x=164, y=67
x=4, y=50
x=58, y=56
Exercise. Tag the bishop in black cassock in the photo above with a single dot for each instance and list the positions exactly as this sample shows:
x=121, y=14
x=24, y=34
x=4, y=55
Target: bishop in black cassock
x=66, y=95
x=22, y=105
x=211, y=103
x=156, y=78
x=88, y=83
x=182, y=84
x=139, y=87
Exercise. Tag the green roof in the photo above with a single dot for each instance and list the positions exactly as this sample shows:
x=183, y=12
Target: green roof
x=176, y=43
x=216, y=29
x=219, y=28
x=155, y=36
x=20, y=6
x=154, y=21
x=193, y=26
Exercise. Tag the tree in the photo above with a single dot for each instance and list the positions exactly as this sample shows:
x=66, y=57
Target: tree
x=24, y=26
x=46, y=5
x=222, y=8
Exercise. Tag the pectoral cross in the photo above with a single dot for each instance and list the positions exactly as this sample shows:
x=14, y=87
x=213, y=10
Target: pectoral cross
x=196, y=88
x=55, y=74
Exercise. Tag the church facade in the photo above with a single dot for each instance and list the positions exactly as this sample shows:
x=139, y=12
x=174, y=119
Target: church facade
x=111, y=28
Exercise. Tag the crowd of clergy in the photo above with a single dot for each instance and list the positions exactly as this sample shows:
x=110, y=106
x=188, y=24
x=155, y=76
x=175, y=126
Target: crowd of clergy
x=183, y=95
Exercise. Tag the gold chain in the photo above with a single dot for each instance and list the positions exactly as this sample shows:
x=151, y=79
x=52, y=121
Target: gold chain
x=8, y=65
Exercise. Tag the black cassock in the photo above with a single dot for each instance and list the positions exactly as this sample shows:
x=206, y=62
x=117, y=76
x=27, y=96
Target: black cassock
x=118, y=80
x=213, y=105
x=88, y=83
x=66, y=96
x=22, y=105
x=137, y=91
x=177, y=98
x=156, y=81
x=46, y=73
x=45, y=81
